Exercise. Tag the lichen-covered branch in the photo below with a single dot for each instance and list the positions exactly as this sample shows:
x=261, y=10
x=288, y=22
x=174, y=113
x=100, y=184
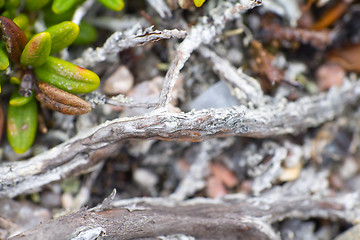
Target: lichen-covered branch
x=250, y=90
x=119, y=41
x=81, y=11
x=283, y=118
x=161, y=7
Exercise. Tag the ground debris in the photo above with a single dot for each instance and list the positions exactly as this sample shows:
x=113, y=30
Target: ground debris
x=238, y=117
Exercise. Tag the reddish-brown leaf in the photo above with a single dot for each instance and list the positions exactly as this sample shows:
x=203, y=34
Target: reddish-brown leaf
x=14, y=38
x=347, y=57
x=61, y=101
x=333, y=14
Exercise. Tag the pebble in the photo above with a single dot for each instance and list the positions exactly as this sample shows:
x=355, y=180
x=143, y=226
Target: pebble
x=351, y=234
x=120, y=82
x=67, y=201
x=329, y=75
x=226, y=176
x=215, y=188
x=145, y=178
x=50, y=199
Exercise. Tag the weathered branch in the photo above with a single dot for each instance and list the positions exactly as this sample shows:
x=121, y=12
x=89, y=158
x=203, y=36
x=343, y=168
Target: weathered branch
x=119, y=41
x=249, y=90
x=210, y=219
x=161, y=8
x=73, y=155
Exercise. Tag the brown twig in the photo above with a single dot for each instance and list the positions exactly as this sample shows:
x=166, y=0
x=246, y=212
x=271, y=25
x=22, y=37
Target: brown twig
x=245, y=219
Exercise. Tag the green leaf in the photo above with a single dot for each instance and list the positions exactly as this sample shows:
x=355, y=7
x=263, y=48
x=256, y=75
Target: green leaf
x=34, y=5
x=22, y=125
x=15, y=80
x=67, y=76
x=37, y=50
x=61, y=6
x=12, y=4
x=199, y=3
x=17, y=100
x=14, y=38
x=2, y=2
x=115, y=5
x=4, y=60
x=62, y=35
x=87, y=34
x=22, y=21
x=52, y=19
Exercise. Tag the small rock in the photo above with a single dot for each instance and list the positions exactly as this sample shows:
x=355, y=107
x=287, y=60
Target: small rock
x=67, y=201
x=120, y=82
x=349, y=168
x=216, y=96
x=351, y=234
x=329, y=75
x=145, y=178
x=50, y=199
x=224, y=175
x=145, y=92
x=290, y=173
x=215, y=188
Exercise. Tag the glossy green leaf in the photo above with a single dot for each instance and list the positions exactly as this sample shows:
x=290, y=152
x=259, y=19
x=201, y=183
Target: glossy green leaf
x=4, y=60
x=22, y=20
x=17, y=100
x=34, y=5
x=61, y=6
x=62, y=35
x=15, y=80
x=115, y=5
x=14, y=38
x=67, y=76
x=22, y=125
x=37, y=50
x=52, y=19
x=199, y=3
x=87, y=34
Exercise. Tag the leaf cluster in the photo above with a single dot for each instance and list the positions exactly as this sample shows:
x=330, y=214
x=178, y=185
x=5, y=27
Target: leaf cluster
x=37, y=74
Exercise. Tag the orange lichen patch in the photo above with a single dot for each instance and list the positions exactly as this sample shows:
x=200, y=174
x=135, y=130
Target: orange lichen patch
x=333, y=14
x=196, y=134
x=347, y=57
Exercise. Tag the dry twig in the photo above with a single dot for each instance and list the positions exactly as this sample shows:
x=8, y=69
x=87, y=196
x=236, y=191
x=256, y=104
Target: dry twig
x=248, y=219
x=75, y=155
x=119, y=41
